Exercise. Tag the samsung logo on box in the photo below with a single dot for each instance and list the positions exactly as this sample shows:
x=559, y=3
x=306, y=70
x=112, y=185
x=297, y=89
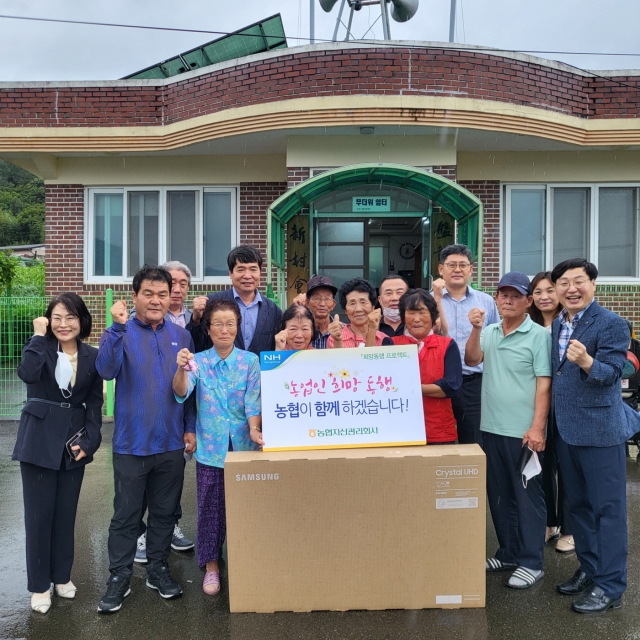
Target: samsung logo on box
x=244, y=477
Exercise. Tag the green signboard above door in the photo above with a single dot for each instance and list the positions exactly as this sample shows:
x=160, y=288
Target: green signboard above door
x=366, y=204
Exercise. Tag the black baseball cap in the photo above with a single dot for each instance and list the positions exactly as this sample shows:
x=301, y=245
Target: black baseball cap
x=321, y=281
x=517, y=280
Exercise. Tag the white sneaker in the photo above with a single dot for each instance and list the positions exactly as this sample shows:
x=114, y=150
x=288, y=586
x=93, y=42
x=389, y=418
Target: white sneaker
x=141, y=550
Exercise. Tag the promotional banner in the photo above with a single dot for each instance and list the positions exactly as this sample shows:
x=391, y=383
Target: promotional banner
x=341, y=398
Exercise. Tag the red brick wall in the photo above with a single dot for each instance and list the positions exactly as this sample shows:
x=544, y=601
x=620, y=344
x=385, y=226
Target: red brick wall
x=296, y=175
x=255, y=199
x=64, y=237
x=381, y=71
x=446, y=171
x=489, y=192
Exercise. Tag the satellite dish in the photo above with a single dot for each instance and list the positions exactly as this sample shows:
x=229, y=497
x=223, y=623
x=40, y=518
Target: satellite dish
x=403, y=10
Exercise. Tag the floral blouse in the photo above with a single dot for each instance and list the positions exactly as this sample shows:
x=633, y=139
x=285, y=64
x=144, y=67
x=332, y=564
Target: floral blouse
x=227, y=394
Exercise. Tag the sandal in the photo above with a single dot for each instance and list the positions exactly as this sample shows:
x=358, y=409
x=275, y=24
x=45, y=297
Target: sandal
x=551, y=533
x=211, y=583
x=493, y=565
x=525, y=576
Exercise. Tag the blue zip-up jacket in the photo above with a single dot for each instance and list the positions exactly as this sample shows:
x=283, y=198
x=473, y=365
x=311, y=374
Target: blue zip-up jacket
x=148, y=420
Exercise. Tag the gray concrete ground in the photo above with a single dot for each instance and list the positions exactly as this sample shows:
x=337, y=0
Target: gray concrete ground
x=535, y=614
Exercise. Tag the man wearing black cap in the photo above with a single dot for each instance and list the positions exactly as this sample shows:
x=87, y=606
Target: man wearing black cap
x=320, y=299
x=515, y=403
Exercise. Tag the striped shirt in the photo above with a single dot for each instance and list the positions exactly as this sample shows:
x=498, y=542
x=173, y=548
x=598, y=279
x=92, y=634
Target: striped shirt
x=567, y=327
x=351, y=339
x=321, y=341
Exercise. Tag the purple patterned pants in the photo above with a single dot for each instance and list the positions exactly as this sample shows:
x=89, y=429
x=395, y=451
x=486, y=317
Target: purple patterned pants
x=212, y=524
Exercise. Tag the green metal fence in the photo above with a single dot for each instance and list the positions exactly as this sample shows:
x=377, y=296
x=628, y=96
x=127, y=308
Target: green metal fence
x=16, y=326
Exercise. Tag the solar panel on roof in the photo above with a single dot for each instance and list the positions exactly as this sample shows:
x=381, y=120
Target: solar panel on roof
x=262, y=36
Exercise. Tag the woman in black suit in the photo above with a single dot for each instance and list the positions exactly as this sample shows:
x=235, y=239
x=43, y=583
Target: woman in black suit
x=64, y=398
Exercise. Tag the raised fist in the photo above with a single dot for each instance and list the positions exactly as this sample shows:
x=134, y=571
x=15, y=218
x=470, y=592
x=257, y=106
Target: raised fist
x=40, y=326
x=438, y=289
x=199, y=304
x=374, y=319
x=476, y=317
x=119, y=312
x=281, y=340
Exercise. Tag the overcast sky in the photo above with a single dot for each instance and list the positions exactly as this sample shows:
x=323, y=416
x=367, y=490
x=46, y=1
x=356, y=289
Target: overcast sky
x=48, y=51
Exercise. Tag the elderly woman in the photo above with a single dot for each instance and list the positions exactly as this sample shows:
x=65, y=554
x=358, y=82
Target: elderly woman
x=58, y=434
x=297, y=329
x=358, y=298
x=440, y=364
x=227, y=385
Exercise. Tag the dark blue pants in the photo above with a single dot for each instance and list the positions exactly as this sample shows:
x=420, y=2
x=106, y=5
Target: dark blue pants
x=519, y=515
x=50, y=505
x=595, y=481
x=466, y=409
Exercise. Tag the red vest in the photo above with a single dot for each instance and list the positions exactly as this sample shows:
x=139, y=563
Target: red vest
x=438, y=413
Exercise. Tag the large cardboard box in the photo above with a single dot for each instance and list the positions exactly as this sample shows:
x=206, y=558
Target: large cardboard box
x=388, y=528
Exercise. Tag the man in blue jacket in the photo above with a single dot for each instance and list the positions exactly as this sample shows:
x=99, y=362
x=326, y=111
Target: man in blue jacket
x=150, y=432
x=588, y=352
x=260, y=316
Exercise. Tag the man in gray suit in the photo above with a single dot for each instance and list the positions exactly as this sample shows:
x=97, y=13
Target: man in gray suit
x=588, y=352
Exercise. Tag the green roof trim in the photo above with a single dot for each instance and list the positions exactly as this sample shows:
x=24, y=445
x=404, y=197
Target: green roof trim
x=465, y=208
x=262, y=36
x=449, y=195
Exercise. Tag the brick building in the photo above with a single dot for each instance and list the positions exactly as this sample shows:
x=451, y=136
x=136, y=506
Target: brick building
x=343, y=158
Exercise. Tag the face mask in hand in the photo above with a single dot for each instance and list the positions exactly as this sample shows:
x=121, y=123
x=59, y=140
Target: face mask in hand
x=392, y=315
x=63, y=374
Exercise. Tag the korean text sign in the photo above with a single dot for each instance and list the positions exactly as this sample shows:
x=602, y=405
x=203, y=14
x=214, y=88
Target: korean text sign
x=341, y=398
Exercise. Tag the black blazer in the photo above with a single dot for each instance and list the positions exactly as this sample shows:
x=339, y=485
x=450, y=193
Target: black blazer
x=44, y=428
x=264, y=336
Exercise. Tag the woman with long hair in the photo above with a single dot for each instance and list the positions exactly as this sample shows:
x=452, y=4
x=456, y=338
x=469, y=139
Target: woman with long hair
x=544, y=310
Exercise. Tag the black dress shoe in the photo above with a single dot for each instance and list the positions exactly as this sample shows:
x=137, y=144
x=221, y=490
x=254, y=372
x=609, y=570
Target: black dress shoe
x=576, y=585
x=594, y=601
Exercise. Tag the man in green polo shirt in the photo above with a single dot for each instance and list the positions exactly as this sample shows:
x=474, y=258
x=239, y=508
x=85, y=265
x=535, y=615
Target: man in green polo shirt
x=516, y=392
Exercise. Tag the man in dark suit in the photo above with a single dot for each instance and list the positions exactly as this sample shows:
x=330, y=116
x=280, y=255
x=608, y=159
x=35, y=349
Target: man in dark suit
x=588, y=352
x=260, y=316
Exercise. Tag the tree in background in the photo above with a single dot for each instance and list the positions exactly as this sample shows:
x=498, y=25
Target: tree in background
x=21, y=206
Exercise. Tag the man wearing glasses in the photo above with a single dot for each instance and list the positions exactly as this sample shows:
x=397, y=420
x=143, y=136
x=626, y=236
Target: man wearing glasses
x=456, y=298
x=588, y=351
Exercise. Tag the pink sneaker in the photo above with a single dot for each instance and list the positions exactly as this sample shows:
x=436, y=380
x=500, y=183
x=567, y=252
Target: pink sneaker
x=211, y=583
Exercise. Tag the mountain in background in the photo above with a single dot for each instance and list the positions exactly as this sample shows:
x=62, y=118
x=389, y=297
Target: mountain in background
x=21, y=206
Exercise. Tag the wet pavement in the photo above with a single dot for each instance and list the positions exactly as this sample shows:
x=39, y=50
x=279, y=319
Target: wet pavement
x=538, y=613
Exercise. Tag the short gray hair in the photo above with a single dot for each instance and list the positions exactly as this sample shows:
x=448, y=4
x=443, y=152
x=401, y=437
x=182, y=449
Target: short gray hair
x=174, y=264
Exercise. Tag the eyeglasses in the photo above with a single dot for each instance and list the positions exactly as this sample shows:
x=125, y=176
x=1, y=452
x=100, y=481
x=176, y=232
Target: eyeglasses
x=68, y=319
x=229, y=326
x=452, y=266
x=325, y=299
x=565, y=283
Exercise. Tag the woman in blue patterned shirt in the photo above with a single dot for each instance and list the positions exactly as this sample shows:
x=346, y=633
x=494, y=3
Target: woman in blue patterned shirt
x=227, y=386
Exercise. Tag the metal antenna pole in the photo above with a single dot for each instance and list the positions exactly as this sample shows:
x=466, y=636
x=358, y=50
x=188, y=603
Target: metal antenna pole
x=312, y=22
x=386, y=31
x=335, y=31
x=350, y=21
x=452, y=21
